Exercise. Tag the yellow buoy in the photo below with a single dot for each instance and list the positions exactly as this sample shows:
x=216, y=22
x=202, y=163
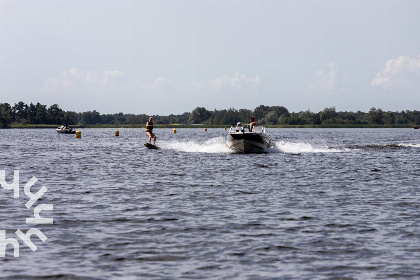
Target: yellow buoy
x=225, y=128
x=117, y=133
x=78, y=134
x=205, y=129
x=174, y=130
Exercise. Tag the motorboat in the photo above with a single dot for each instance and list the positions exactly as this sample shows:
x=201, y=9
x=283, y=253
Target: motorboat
x=65, y=129
x=415, y=127
x=241, y=140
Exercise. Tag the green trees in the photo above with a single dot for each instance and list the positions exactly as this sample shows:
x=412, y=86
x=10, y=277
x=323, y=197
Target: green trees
x=22, y=113
x=271, y=118
x=261, y=111
x=199, y=115
x=33, y=114
x=388, y=118
x=41, y=116
x=375, y=116
x=230, y=116
x=328, y=115
x=272, y=115
x=90, y=117
x=417, y=119
x=55, y=115
x=6, y=115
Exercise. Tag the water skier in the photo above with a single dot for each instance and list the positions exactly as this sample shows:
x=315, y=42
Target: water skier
x=149, y=131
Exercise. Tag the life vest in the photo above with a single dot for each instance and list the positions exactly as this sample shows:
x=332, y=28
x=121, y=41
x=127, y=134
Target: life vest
x=149, y=127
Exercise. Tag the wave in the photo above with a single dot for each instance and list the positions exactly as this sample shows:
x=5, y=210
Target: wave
x=214, y=145
x=386, y=146
x=409, y=145
x=299, y=147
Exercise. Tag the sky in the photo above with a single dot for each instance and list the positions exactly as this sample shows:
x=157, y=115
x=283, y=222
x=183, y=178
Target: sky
x=162, y=57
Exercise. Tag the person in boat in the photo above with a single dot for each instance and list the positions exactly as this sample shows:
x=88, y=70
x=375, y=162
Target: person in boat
x=252, y=123
x=239, y=127
x=149, y=131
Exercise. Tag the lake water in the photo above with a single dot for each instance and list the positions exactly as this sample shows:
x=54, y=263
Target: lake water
x=324, y=204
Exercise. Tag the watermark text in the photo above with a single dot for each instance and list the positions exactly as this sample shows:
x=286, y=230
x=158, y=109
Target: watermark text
x=35, y=220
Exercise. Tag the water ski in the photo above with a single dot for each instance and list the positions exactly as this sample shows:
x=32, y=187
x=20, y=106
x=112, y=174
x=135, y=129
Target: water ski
x=151, y=146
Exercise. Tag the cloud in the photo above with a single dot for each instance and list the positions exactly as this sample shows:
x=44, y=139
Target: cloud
x=329, y=78
x=111, y=76
x=237, y=82
x=401, y=73
x=76, y=79
x=159, y=84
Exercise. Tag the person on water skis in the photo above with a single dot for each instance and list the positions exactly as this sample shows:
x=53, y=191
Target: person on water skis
x=149, y=131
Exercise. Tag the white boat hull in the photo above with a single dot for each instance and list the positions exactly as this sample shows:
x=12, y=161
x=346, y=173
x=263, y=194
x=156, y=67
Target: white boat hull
x=249, y=142
x=66, y=131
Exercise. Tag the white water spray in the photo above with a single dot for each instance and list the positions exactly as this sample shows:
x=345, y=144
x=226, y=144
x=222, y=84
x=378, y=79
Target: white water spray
x=409, y=145
x=214, y=145
x=297, y=148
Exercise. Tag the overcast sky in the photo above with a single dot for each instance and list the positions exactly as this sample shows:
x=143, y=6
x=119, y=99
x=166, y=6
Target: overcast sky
x=169, y=57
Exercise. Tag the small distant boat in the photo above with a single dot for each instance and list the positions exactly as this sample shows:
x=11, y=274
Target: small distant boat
x=415, y=127
x=241, y=141
x=65, y=129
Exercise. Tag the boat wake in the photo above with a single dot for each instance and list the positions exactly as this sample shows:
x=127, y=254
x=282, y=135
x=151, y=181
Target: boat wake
x=218, y=145
x=213, y=145
x=386, y=146
x=298, y=148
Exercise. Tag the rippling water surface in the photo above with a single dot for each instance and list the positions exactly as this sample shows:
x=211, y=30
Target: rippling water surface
x=325, y=203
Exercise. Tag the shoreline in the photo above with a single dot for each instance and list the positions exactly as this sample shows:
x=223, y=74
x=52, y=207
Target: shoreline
x=175, y=126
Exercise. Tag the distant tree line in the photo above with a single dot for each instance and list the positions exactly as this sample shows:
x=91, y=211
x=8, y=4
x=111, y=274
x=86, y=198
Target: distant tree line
x=279, y=115
x=24, y=114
